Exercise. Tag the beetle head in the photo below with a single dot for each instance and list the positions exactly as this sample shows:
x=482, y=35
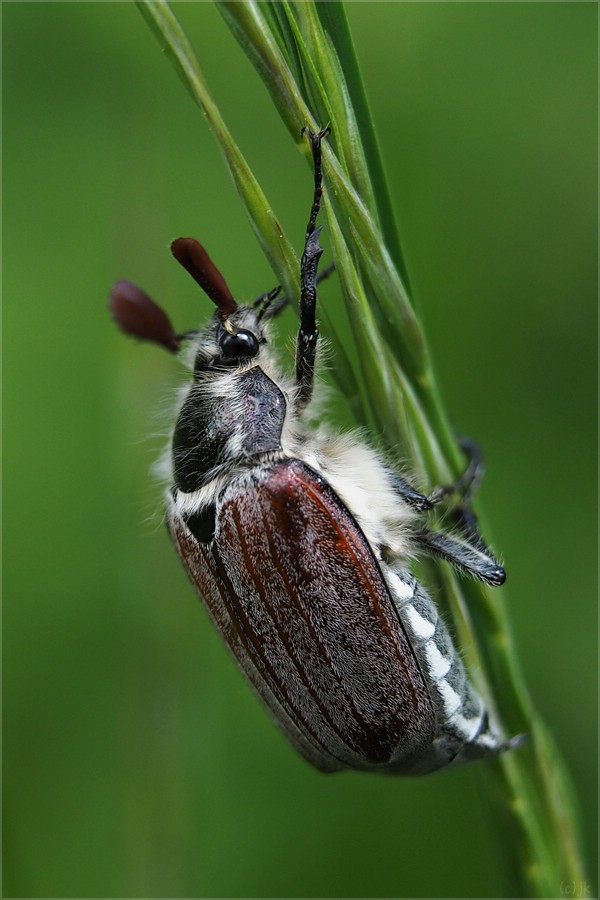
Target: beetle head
x=235, y=337
x=231, y=343
x=232, y=338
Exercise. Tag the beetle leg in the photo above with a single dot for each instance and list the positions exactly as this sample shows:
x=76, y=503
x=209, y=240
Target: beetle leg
x=469, y=481
x=308, y=334
x=411, y=495
x=461, y=514
x=472, y=558
x=271, y=304
x=468, y=550
x=457, y=549
x=465, y=520
x=463, y=486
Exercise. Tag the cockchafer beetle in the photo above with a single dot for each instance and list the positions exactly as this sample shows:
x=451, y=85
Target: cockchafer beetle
x=299, y=539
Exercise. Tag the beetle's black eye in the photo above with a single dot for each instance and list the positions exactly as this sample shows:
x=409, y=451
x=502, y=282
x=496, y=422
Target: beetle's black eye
x=242, y=344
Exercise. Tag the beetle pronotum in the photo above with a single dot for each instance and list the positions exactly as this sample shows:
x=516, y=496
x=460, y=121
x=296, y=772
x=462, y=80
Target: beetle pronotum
x=299, y=539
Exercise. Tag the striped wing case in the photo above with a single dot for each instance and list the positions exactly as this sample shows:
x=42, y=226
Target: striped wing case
x=296, y=591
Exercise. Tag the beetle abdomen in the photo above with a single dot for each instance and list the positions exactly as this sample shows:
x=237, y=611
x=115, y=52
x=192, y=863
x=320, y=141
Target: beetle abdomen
x=463, y=729
x=299, y=596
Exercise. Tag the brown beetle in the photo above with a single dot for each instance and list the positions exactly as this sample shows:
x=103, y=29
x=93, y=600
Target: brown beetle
x=298, y=540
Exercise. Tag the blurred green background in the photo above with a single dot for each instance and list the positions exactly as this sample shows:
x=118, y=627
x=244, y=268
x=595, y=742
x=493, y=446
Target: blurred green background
x=136, y=760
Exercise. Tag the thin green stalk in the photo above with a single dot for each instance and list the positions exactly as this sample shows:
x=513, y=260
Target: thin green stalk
x=304, y=54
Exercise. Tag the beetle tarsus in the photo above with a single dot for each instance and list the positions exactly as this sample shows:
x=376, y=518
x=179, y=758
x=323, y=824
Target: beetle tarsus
x=271, y=304
x=307, y=337
x=315, y=139
x=466, y=485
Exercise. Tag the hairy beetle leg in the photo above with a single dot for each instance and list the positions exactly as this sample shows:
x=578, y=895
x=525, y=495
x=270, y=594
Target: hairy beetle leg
x=465, y=520
x=474, y=559
x=411, y=495
x=466, y=550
